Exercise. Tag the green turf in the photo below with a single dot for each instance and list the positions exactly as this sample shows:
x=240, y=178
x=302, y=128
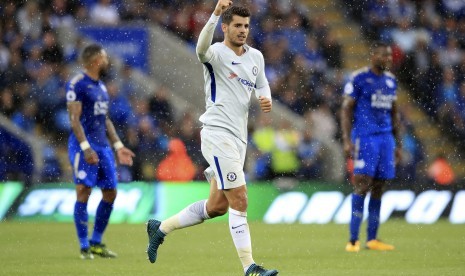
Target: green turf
x=51, y=249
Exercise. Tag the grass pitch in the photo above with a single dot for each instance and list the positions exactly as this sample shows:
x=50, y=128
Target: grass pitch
x=207, y=249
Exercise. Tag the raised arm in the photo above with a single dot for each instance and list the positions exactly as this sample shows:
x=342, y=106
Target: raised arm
x=206, y=35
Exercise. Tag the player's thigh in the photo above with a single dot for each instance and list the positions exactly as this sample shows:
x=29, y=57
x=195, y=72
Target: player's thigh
x=386, y=169
x=83, y=172
x=224, y=156
x=107, y=169
x=366, y=156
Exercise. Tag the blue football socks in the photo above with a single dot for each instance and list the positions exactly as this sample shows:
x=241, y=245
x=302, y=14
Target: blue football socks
x=101, y=221
x=374, y=207
x=357, y=216
x=81, y=219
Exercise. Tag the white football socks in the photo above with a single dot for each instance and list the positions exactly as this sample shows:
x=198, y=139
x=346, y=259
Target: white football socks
x=193, y=214
x=241, y=236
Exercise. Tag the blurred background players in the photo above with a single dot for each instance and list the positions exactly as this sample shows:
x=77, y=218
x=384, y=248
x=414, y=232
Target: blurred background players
x=90, y=154
x=370, y=132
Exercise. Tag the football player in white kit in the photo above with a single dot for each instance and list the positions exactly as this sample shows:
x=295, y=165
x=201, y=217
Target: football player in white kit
x=233, y=71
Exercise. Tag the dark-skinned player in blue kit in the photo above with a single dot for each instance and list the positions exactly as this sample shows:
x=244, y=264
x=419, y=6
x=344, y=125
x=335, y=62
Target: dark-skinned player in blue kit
x=90, y=153
x=370, y=129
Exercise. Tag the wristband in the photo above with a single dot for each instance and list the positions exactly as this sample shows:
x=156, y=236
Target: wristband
x=118, y=145
x=84, y=145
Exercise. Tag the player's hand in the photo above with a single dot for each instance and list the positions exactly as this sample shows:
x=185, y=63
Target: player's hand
x=125, y=156
x=398, y=154
x=221, y=6
x=348, y=149
x=265, y=104
x=91, y=156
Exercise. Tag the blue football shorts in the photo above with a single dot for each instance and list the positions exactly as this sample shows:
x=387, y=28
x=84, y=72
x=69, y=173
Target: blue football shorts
x=102, y=175
x=374, y=155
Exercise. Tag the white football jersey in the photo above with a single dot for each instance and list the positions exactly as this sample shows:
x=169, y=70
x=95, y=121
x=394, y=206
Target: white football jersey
x=229, y=83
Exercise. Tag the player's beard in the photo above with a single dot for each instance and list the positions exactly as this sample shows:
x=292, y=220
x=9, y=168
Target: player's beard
x=103, y=72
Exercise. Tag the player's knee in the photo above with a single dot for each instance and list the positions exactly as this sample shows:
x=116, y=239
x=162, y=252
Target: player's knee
x=109, y=195
x=361, y=190
x=217, y=211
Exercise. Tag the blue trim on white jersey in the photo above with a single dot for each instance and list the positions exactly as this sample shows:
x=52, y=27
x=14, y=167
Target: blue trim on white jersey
x=213, y=82
x=219, y=171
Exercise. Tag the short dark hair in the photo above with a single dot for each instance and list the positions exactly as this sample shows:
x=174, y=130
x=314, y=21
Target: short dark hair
x=90, y=51
x=235, y=10
x=377, y=44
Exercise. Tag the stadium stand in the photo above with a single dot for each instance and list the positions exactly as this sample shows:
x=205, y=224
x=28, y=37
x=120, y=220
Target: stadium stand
x=309, y=48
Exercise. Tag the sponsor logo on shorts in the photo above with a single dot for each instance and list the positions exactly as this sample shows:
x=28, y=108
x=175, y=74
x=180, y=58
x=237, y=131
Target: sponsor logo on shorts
x=231, y=176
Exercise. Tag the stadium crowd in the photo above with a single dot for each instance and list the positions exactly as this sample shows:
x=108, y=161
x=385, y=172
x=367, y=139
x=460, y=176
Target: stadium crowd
x=428, y=38
x=304, y=67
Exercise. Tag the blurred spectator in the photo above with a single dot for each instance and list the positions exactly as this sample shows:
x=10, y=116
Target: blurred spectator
x=7, y=106
x=29, y=19
x=60, y=16
x=51, y=51
x=120, y=110
x=309, y=152
x=25, y=118
x=189, y=133
x=284, y=160
x=441, y=172
x=404, y=36
x=161, y=108
x=104, y=13
x=332, y=51
x=51, y=170
x=402, y=10
x=263, y=140
x=177, y=165
x=412, y=155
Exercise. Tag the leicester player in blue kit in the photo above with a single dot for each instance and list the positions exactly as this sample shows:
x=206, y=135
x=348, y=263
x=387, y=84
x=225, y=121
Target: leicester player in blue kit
x=370, y=129
x=90, y=154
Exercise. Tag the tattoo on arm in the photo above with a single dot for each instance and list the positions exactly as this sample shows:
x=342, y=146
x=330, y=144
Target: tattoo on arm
x=74, y=112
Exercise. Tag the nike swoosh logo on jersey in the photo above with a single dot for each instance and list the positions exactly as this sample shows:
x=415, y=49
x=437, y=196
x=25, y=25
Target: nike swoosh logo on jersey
x=235, y=63
x=238, y=226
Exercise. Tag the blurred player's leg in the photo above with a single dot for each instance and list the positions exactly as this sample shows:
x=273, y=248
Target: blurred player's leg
x=361, y=185
x=81, y=220
x=101, y=221
x=374, y=207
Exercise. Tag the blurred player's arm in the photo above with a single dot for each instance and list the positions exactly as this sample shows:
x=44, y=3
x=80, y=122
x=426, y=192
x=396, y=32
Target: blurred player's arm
x=206, y=35
x=396, y=130
x=347, y=116
x=74, y=112
x=124, y=154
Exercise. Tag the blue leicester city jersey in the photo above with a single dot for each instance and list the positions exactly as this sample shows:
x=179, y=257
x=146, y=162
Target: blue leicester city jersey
x=374, y=96
x=95, y=101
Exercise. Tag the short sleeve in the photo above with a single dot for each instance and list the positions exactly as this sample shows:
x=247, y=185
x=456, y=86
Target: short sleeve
x=352, y=89
x=74, y=91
